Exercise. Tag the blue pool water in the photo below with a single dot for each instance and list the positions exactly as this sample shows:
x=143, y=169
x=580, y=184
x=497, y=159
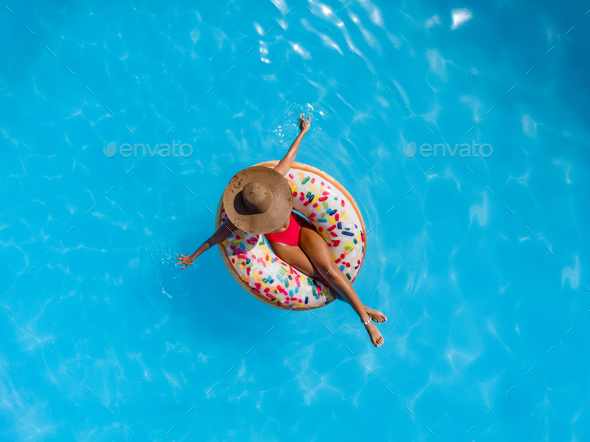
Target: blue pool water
x=477, y=262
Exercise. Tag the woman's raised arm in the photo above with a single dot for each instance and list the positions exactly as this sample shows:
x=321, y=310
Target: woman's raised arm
x=286, y=163
x=220, y=234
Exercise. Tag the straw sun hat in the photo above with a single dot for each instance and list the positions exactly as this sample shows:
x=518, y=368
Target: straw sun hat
x=258, y=200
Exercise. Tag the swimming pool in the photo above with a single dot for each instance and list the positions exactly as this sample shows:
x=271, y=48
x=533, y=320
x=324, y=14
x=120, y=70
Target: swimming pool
x=475, y=257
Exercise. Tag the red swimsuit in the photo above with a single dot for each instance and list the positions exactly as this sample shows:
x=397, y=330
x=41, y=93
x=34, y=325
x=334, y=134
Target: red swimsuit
x=289, y=236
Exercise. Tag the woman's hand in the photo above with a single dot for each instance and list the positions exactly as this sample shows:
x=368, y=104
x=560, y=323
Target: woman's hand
x=187, y=260
x=304, y=125
x=220, y=234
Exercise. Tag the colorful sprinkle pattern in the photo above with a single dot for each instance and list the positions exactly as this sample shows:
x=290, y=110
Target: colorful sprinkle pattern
x=333, y=216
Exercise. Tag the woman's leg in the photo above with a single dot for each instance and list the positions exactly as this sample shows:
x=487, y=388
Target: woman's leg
x=296, y=258
x=376, y=315
x=299, y=260
x=319, y=254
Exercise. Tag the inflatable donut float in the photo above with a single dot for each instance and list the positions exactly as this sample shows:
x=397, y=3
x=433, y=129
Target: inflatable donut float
x=334, y=214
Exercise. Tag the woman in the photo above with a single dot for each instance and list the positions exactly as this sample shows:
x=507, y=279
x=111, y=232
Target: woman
x=258, y=200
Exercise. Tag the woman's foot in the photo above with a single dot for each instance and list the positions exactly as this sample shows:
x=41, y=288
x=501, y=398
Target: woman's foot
x=377, y=316
x=376, y=337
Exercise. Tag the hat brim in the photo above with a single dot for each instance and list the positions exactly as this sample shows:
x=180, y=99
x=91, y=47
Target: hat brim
x=258, y=223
